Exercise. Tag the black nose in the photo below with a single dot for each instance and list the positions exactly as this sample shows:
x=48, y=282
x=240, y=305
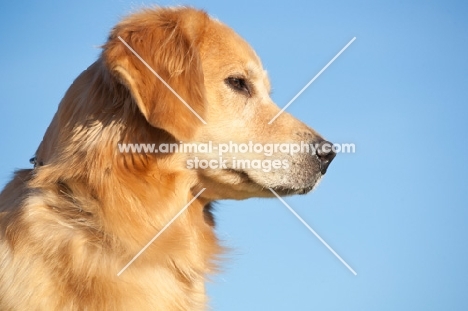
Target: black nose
x=325, y=154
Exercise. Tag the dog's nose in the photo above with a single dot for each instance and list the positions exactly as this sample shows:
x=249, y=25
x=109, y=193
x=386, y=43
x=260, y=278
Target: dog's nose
x=325, y=154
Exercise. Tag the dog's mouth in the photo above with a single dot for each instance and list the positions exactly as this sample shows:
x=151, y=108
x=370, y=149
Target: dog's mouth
x=288, y=191
x=278, y=189
x=300, y=177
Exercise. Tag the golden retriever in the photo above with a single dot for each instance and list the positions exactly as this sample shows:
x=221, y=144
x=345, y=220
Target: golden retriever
x=68, y=226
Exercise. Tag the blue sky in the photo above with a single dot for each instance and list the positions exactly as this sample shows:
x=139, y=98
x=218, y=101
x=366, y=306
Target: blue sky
x=396, y=210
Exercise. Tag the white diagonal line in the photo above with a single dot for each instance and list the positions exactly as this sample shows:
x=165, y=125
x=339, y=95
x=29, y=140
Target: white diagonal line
x=312, y=230
x=313, y=79
x=162, y=80
x=160, y=232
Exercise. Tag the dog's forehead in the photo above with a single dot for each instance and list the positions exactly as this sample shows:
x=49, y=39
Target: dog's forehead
x=229, y=50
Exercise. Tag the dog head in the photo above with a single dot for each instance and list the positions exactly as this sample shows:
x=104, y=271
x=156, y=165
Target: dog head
x=216, y=78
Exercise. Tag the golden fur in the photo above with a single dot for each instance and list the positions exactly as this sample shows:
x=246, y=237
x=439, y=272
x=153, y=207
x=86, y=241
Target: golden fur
x=68, y=226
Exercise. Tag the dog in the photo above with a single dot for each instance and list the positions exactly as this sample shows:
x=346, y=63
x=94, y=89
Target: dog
x=166, y=76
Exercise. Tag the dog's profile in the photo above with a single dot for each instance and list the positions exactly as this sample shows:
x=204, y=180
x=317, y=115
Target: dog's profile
x=70, y=224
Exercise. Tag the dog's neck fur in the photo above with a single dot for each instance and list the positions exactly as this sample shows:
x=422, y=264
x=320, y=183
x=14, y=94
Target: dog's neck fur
x=96, y=115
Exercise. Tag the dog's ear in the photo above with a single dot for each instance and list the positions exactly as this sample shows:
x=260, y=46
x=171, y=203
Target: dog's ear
x=167, y=40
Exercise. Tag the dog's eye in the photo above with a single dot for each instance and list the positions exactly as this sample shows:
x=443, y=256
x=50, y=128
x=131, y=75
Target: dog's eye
x=239, y=85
